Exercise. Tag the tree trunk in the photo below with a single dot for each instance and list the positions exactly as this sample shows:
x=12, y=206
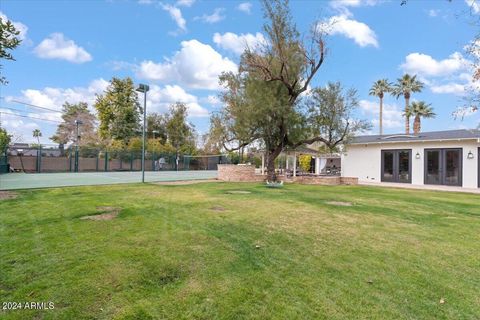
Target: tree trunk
x=416, y=125
x=271, y=156
x=407, y=118
x=381, y=116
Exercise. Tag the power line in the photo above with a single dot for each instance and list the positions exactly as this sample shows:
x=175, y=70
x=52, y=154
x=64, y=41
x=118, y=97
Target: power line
x=15, y=109
x=32, y=105
x=30, y=117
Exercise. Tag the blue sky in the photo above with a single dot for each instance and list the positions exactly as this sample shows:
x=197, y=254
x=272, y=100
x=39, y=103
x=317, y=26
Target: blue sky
x=72, y=48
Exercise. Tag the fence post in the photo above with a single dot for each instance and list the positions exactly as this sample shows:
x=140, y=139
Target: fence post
x=76, y=159
x=70, y=161
x=40, y=159
x=131, y=160
x=96, y=165
x=106, y=161
x=37, y=167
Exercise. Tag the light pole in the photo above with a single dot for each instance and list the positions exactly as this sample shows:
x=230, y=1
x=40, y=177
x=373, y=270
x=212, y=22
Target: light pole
x=77, y=123
x=144, y=89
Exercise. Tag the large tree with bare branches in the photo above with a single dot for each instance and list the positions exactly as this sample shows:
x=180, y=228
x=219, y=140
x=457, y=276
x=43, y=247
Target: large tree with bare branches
x=263, y=102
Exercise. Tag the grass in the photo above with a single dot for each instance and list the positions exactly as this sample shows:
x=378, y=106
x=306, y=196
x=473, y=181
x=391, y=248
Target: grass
x=270, y=254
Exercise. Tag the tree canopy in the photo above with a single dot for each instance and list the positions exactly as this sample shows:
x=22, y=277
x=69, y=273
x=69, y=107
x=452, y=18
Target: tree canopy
x=156, y=126
x=66, y=131
x=119, y=110
x=5, y=139
x=180, y=133
x=9, y=40
x=264, y=101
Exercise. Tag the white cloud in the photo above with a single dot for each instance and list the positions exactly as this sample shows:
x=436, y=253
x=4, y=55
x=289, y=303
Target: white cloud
x=238, y=43
x=18, y=25
x=392, y=116
x=215, y=17
x=474, y=6
x=54, y=98
x=454, y=88
x=176, y=15
x=352, y=29
x=211, y=100
x=353, y=3
x=21, y=128
x=425, y=65
x=342, y=6
x=196, y=65
x=245, y=7
x=185, y=3
x=56, y=46
x=159, y=100
x=433, y=12
x=145, y=1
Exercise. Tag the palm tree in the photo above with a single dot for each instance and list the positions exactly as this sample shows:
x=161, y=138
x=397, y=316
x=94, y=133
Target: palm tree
x=37, y=134
x=420, y=109
x=405, y=86
x=379, y=88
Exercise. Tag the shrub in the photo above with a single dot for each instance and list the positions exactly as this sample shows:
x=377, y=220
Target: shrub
x=304, y=162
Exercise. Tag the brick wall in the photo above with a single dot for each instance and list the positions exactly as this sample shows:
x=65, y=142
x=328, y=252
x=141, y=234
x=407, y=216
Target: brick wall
x=349, y=180
x=326, y=181
x=246, y=173
x=238, y=173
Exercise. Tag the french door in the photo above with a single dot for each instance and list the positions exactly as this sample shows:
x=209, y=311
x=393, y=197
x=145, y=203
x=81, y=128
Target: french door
x=397, y=166
x=443, y=166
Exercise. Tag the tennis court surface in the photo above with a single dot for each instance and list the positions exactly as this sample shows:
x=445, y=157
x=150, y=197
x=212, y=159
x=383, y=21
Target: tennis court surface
x=13, y=181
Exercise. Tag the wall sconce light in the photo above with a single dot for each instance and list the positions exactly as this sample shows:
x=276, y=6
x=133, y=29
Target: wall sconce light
x=470, y=155
x=417, y=156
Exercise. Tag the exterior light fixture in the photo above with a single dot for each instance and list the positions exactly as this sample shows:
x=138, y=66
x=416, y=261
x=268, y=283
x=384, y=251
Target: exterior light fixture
x=470, y=155
x=143, y=88
x=417, y=156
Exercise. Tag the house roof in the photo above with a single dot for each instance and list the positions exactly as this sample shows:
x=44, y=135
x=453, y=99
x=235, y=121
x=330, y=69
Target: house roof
x=423, y=136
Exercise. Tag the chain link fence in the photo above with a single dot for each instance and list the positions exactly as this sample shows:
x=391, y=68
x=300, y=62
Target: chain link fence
x=41, y=159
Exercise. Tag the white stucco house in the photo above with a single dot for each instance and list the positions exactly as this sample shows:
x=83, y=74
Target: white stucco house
x=448, y=158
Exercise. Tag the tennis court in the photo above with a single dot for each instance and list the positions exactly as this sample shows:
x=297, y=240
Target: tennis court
x=13, y=181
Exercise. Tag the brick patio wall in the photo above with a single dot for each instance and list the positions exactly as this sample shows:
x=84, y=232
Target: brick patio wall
x=246, y=173
x=238, y=173
x=348, y=180
x=325, y=180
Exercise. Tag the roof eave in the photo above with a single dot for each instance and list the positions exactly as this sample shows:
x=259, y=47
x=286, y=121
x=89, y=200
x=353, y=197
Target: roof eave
x=417, y=141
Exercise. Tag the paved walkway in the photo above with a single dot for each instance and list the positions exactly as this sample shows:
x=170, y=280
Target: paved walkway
x=420, y=187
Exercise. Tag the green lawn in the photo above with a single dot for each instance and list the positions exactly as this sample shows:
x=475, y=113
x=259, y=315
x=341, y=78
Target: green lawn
x=271, y=254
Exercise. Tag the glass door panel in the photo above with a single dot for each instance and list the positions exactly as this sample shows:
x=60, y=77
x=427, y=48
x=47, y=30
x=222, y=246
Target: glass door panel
x=433, y=169
x=388, y=166
x=404, y=166
x=452, y=168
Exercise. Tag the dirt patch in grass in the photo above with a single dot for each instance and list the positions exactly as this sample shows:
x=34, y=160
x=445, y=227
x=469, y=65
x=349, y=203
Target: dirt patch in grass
x=238, y=192
x=217, y=208
x=104, y=213
x=340, y=203
x=185, y=182
x=7, y=195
